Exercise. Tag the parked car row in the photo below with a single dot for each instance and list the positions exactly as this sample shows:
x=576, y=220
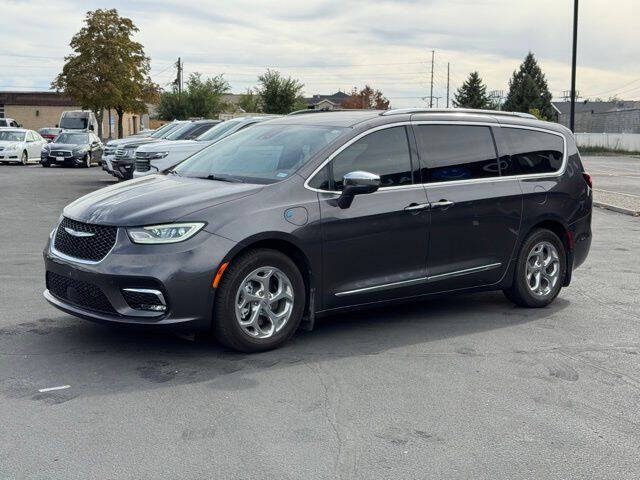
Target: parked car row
x=169, y=145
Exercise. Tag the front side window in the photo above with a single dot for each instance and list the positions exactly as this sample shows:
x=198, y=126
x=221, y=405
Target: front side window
x=456, y=152
x=532, y=152
x=384, y=152
x=261, y=154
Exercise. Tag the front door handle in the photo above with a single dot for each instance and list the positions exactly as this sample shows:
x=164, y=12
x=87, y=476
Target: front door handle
x=442, y=204
x=416, y=207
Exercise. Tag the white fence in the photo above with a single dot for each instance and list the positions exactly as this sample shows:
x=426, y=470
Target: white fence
x=614, y=141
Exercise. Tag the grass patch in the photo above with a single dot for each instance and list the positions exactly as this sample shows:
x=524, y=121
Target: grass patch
x=606, y=151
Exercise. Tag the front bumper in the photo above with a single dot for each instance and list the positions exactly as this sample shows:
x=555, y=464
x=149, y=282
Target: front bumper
x=72, y=160
x=183, y=272
x=9, y=155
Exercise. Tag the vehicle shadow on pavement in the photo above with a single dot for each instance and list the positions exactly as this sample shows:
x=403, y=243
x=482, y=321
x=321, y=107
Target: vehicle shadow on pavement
x=97, y=360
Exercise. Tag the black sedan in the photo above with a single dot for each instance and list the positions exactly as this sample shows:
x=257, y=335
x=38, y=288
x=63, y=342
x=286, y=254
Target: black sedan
x=72, y=149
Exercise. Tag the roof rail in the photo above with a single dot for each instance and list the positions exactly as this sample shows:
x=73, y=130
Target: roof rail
x=313, y=110
x=400, y=111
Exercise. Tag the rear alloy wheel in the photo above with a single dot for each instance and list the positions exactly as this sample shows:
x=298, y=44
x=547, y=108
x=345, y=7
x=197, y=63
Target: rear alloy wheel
x=540, y=270
x=260, y=301
x=24, y=158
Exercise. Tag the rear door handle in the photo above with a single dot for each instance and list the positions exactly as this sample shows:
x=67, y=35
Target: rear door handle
x=416, y=207
x=442, y=204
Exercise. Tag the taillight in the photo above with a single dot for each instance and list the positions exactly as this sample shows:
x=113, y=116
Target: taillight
x=588, y=179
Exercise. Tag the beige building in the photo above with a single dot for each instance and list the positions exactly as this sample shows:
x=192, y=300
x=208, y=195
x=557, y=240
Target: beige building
x=36, y=110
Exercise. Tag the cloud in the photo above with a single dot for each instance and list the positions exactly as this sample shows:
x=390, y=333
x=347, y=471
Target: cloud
x=332, y=44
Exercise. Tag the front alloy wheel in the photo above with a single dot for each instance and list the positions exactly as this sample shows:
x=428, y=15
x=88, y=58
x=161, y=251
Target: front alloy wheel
x=264, y=302
x=259, y=302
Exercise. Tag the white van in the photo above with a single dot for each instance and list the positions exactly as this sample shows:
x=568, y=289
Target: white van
x=83, y=120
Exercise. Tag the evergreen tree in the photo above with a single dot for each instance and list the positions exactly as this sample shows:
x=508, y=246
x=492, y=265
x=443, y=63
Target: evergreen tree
x=528, y=90
x=472, y=94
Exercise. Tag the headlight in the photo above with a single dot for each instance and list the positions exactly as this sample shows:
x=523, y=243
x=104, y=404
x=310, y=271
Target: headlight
x=13, y=146
x=170, y=233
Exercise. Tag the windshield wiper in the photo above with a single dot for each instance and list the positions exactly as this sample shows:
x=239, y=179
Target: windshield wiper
x=223, y=178
x=173, y=172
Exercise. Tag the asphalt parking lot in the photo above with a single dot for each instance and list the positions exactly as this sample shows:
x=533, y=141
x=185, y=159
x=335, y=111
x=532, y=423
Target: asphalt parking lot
x=459, y=387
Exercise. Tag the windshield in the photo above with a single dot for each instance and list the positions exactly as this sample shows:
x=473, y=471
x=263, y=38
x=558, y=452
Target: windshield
x=219, y=130
x=180, y=132
x=163, y=130
x=260, y=154
x=74, y=122
x=73, y=138
x=11, y=136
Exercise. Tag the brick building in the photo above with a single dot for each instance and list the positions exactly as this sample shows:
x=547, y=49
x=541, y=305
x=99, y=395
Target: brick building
x=36, y=110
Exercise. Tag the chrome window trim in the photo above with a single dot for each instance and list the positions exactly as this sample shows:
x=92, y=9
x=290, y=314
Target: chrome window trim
x=432, y=278
x=57, y=253
x=504, y=178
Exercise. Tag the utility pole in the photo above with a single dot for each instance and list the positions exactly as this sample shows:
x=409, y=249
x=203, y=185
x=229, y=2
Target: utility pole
x=433, y=54
x=448, y=84
x=572, y=118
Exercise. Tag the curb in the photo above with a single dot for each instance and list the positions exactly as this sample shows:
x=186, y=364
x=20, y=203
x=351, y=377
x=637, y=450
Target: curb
x=608, y=206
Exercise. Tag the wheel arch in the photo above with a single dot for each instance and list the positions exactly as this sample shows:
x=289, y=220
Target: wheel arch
x=289, y=246
x=561, y=229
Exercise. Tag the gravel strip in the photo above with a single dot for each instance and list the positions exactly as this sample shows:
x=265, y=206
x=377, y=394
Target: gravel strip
x=622, y=203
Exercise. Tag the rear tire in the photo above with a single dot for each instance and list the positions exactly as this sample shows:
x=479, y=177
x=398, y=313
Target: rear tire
x=266, y=286
x=540, y=270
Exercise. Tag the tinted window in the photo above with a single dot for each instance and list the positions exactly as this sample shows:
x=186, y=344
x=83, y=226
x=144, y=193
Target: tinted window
x=456, y=152
x=384, y=152
x=532, y=152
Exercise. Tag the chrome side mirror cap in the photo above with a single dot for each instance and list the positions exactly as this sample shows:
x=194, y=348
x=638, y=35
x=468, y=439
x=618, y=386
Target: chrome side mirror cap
x=357, y=183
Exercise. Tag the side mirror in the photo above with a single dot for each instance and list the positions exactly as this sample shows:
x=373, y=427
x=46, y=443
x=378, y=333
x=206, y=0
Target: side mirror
x=357, y=183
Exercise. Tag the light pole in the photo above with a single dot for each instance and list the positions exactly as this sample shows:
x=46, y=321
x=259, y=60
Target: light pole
x=572, y=118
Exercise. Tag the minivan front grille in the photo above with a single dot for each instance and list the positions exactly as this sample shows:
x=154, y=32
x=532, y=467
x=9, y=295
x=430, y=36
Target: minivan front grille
x=83, y=294
x=84, y=241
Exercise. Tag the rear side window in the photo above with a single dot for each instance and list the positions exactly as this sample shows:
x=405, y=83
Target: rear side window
x=532, y=152
x=384, y=152
x=456, y=152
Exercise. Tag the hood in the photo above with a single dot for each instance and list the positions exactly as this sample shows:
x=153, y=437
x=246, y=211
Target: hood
x=122, y=141
x=66, y=146
x=154, y=199
x=170, y=145
x=134, y=142
x=9, y=143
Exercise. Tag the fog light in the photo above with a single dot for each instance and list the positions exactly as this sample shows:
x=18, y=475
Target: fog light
x=147, y=299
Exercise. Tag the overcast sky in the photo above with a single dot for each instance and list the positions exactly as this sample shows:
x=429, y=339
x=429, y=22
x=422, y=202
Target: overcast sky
x=337, y=44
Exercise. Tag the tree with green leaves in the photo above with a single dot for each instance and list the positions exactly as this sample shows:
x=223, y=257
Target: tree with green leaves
x=472, y=94
x=528, y=90
x=279, y=94
x=250, y=101
x=200, y=98
x=107, y=69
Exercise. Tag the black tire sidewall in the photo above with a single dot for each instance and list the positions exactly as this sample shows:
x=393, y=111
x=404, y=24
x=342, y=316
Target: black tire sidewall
x=520, y=280
x=24, y=159
x=225, y=326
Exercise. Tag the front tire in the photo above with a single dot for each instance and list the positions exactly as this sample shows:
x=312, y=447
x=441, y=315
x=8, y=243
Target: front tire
x=540, y=270
x=87, y=161
x=46, y=164
x=24, y=158
x=260, y=301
